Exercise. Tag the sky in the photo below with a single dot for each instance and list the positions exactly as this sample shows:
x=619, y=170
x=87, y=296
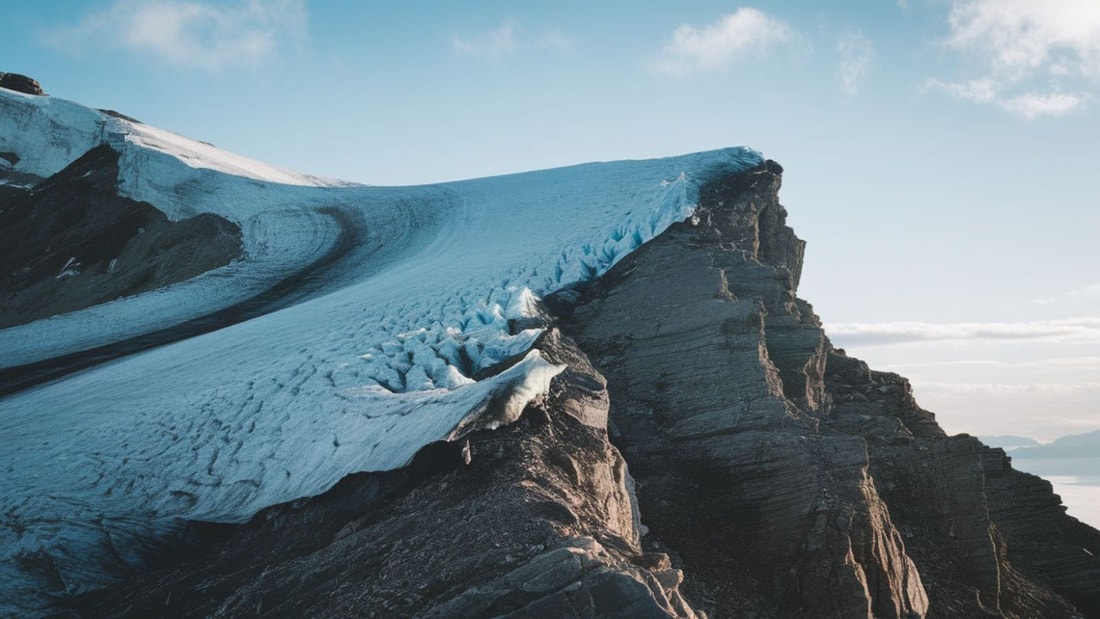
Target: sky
x=939, y=154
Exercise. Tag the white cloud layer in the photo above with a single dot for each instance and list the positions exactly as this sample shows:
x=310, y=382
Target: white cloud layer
x=1038, y=57
x=857, y=54
x=741, y=34
x=1083, y=329
x=960, y=389
x=196, y=35
x=1055, y=363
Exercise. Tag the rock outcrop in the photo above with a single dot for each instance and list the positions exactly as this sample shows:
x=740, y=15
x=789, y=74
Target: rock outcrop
x=72, y=241
x=21, y=83
x=791, y=479
x=770, y=475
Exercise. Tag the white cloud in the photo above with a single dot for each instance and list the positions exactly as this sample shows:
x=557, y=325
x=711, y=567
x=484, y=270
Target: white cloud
x=903, y=4
x=197, y=35
x=1029, y=105
x=857, y=54
x=977, y=91
x=1038, y=57
x=1056, y=363
x=489, y=44
x=1084, y=329
x=1032, y=105
x=1019, y=38
x=741, y=34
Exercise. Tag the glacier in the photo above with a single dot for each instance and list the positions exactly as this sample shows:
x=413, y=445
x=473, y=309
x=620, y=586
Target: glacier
x=377, y=361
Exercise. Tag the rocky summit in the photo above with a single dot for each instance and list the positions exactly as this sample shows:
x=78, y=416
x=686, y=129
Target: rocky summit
x=706, y=452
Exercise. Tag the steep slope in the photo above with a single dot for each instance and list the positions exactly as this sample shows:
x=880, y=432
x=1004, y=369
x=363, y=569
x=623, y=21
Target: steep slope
x=793, y=480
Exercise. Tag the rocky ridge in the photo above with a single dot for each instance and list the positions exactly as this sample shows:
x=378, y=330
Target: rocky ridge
x=706, y=452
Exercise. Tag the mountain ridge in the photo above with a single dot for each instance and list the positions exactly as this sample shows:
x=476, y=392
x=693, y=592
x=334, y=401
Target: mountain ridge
x=667, y=431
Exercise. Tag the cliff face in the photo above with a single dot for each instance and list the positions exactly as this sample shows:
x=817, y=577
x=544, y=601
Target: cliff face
x=770, y=475
x=764, y=453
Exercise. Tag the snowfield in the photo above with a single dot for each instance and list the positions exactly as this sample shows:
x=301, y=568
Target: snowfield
x=375, y=363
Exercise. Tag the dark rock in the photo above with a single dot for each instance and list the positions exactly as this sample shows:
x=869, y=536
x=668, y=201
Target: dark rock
x=783, y=472
x=20, y=83
x=1039, y=539
x=73, y=242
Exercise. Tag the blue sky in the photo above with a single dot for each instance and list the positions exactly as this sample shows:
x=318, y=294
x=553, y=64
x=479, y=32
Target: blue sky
x=940, y=154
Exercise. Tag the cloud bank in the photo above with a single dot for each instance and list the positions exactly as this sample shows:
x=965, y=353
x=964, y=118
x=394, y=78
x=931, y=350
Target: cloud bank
x=195, y=35
x=1083, y=329
x=962, y=390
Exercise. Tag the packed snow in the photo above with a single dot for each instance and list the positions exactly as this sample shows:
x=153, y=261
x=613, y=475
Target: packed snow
x=376, y=364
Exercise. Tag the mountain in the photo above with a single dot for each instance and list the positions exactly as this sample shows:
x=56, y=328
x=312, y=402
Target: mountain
x=1009, y=442
x=1085, y=445
x=590, y=391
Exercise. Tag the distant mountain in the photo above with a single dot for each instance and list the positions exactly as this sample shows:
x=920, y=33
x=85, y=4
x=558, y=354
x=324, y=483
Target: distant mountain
x=1009, y=442
x=1085, y=445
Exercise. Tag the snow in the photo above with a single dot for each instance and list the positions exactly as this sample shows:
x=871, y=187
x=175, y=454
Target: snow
x=207, y=156
x=374, y=365
x=61, y=131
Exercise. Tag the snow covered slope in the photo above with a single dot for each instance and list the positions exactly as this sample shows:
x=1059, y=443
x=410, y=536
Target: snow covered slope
x=376, y=365
x=286, y=217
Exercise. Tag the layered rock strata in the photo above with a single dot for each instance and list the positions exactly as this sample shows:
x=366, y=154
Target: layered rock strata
x=791, y=479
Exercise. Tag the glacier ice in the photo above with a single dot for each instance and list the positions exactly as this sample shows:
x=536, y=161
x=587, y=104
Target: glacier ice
x=375, y=365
